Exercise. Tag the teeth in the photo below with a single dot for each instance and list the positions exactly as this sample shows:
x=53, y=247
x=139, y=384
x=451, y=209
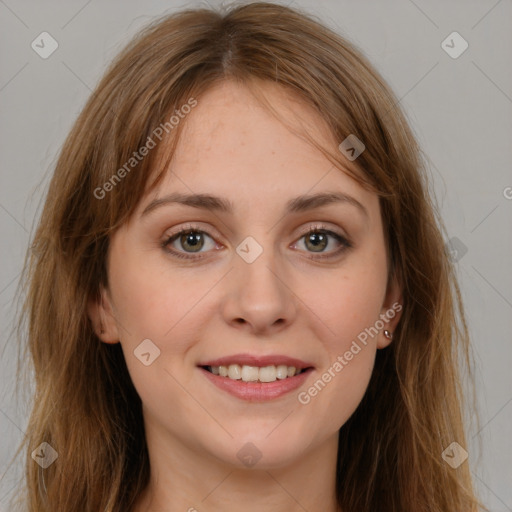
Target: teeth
x=234, y=371
x=267, y=373
x=282, y=371
x=255, y=373
x=250, y=373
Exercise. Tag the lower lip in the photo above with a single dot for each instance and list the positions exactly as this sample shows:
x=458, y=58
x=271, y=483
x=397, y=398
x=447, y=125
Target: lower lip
x=257, y=391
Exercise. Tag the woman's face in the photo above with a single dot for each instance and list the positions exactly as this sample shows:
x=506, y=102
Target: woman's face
x=249, y=287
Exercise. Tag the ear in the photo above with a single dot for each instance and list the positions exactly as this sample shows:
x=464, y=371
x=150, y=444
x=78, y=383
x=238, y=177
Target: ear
x=100, y=312
x=391, y=310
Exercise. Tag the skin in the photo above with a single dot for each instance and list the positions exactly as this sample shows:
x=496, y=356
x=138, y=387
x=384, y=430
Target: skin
x=285, y=302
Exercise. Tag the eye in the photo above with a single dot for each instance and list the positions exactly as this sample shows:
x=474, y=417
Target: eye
x=191, y=240
x=318, y=238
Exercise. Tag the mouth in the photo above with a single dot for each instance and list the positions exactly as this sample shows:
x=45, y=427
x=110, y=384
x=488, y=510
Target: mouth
x=254, y=378
x=246, y=373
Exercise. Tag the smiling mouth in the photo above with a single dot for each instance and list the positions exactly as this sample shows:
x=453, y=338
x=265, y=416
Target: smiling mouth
x=263, y=374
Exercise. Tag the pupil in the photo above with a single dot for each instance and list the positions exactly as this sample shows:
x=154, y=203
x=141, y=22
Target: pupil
x=318, y=239
x=193, y=240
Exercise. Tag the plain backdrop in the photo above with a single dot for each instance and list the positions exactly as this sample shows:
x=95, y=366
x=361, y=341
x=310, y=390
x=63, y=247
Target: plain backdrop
x=459, y=108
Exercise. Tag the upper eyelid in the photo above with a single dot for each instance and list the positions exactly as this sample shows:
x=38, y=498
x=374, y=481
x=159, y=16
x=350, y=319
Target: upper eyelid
x=319, y=226
x=192, y=227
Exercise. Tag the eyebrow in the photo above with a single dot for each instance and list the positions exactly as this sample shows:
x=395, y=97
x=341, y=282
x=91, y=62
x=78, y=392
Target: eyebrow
x=219, y=204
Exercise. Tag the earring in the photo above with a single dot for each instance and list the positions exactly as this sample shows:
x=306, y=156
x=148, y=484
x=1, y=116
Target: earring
x=388, y=334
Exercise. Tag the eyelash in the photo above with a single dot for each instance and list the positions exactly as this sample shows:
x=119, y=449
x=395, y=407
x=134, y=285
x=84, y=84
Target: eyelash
x=346, y=244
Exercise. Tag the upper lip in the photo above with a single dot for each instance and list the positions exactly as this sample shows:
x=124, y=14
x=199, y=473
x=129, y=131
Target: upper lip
x=253, y=360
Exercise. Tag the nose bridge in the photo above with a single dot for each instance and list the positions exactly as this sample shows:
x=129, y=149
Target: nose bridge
x=260, y=295
x=257, y=267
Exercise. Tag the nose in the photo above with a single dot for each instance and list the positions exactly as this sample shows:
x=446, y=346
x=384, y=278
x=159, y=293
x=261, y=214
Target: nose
x=259, y=298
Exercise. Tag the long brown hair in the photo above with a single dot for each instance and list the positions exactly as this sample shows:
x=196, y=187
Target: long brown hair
x=85, y=405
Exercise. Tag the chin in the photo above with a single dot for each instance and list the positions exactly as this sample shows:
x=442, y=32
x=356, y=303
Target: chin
x=260, y=448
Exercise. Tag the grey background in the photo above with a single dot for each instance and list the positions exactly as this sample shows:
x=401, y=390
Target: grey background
x=460, y=110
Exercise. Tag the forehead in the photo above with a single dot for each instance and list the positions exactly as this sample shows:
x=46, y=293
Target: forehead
x=233, y=119
x=233, y=146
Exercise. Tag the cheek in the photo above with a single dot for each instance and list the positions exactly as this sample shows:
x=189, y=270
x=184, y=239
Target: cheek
x=341, y=383
x=138, y=301
x=144, y=298
x=350, y=304
x=152, y=303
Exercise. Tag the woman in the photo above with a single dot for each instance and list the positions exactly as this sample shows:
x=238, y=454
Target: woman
x=238, y=291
